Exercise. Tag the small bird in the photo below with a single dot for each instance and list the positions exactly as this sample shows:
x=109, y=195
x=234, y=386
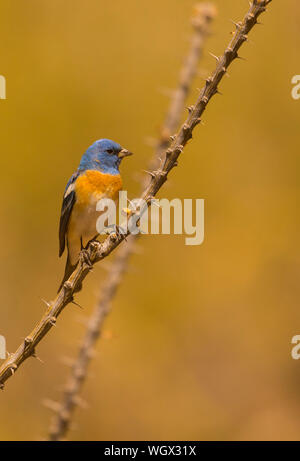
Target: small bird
x=97, y=177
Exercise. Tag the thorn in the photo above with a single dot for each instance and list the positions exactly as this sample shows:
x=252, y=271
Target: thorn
x=190, y=108
x=238, y=25
x=13, y=367
x=80, y=402
x=225, y=71
x=173, y=137
x=67, y=286
x=130, y=203
x=150, y=173
x=228, y=51
x=52, y=321
x=179, y=148
x=51, y=405
x=76, y=304
x=38, y=358
x=46, y=302
x=216, y=57
x=28, y=341
x=240, y=57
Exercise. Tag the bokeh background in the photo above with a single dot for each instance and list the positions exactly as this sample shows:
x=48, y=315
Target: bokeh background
x=198, y=345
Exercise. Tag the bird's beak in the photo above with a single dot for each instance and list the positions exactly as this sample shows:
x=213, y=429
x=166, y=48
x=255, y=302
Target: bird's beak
x=124, y=153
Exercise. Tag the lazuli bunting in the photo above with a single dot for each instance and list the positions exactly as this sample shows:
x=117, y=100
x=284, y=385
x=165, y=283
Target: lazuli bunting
x=97, y=177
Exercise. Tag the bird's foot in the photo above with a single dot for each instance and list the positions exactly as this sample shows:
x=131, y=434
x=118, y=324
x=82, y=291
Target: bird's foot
x=93, y=239
x=86, y=257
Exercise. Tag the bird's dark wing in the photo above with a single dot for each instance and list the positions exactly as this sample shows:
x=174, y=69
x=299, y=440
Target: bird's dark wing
x=66, y=209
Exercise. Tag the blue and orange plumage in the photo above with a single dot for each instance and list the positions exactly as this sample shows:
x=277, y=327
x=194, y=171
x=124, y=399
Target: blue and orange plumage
x=97, y=177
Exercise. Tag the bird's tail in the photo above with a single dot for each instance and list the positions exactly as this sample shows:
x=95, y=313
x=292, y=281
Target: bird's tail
x=69, y=269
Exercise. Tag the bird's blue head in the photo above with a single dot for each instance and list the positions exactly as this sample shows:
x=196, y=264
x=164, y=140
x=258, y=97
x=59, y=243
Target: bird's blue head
x=104, y=155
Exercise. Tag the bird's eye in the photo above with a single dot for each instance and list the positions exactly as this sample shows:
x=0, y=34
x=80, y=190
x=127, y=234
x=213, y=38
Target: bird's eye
x=109, y=151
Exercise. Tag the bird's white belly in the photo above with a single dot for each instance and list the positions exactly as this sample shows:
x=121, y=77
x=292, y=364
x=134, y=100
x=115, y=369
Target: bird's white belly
x=82, y=228
x=86, y=219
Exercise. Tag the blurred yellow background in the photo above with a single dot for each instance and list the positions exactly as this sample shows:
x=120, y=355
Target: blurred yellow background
x=198, y=344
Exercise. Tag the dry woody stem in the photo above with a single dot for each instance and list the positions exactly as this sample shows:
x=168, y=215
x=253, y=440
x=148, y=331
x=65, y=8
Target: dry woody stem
x=71, y=399
x=202, y=17
x=98, y=251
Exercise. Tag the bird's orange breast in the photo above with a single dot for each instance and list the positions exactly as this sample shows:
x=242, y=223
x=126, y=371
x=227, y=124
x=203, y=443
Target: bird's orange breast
x=93, y=185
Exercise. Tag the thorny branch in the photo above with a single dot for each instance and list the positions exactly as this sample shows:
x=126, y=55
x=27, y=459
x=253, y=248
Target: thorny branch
x=203, y=15
x=97, y=251
x=71, y=399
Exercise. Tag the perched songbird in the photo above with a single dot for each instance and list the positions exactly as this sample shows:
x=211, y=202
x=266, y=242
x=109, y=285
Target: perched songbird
x=97, y=177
